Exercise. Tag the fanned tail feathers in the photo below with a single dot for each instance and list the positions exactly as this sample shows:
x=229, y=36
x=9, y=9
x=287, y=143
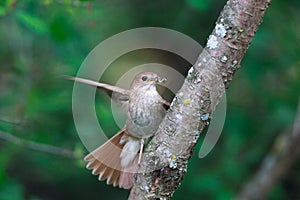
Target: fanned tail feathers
x=105, y=161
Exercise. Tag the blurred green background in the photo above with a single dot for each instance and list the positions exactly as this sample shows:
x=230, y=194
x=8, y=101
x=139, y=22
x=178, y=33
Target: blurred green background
x=41, y=40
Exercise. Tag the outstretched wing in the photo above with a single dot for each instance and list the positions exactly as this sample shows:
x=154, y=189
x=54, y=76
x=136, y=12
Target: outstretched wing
x=119, y=95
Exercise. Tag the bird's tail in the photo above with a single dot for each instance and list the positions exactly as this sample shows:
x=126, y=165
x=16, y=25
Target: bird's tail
x=115, y=160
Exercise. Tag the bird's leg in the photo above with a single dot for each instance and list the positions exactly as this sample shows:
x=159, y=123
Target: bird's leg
x=141, y=150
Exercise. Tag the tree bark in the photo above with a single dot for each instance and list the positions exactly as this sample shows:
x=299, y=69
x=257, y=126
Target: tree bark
x=165, y=159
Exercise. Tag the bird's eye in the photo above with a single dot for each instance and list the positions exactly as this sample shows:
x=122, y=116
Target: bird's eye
x=144, y=78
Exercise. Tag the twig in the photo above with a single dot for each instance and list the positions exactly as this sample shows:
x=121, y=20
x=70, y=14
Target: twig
x=46, y=148
x=285, y=151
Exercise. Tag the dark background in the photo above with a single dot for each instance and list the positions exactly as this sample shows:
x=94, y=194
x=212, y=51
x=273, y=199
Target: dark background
x=41, y=40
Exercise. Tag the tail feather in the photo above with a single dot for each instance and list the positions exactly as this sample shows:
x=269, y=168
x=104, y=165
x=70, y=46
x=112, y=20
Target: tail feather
x=97, y=170
x=113, y=177
x=92, y=165
x=105, y=161
x=107, y=174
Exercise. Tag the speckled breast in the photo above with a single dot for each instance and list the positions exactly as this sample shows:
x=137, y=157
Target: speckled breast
x=144, y=115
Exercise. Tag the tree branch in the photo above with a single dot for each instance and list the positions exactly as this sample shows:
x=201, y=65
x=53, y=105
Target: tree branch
x=285, y=151
x=165, y=160
x=45, y=148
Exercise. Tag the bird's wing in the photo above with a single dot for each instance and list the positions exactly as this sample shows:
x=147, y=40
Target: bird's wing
x=119, y=95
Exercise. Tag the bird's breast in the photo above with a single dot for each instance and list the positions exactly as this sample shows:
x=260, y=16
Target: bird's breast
x=145, y=114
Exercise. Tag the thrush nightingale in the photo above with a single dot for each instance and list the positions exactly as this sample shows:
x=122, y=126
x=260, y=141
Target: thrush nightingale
x=117, y=159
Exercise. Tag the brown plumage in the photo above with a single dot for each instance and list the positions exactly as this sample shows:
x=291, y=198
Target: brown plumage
x=117, y=159
x=109, y=150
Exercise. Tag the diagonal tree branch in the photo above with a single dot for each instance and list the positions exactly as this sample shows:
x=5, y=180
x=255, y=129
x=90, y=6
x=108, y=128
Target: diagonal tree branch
x=165, y=160
x=45, y=148
x=285, y=151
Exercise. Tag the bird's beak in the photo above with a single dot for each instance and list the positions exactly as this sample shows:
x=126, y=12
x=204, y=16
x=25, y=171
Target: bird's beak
x=160, y=79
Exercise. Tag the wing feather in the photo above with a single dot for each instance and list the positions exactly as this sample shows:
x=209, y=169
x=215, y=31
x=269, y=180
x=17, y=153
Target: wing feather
x=119, y=95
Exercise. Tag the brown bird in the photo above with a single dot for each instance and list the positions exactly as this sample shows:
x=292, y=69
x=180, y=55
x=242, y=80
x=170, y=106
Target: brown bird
x=117, y=159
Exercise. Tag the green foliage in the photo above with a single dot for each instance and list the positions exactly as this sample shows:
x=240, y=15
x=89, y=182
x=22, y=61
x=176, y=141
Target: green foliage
x=201, y=5
x=32, y=22
x=12, y=191
x=2, y=11
x=41, y=40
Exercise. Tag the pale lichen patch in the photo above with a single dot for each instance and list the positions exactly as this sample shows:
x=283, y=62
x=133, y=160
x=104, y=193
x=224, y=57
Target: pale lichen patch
x=212, y=42
x=224, y=59
x=221, y=30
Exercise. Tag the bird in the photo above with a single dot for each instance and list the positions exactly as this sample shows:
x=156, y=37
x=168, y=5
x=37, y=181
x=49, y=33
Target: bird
x=117, y=159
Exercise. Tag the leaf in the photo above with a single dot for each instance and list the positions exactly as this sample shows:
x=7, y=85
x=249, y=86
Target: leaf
x=33, y=22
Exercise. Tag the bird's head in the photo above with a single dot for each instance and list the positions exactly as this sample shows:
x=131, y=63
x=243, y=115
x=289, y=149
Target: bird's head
x=146, y=79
